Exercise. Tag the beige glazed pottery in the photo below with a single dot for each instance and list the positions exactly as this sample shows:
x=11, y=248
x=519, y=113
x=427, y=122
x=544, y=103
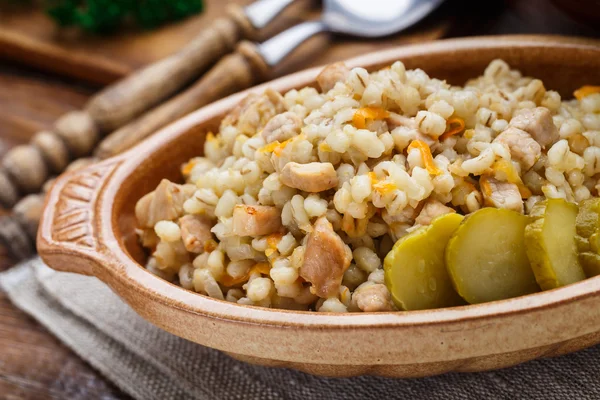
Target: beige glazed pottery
x=88, y=228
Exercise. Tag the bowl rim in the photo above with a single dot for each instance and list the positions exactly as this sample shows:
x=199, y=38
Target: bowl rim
x=136, y=277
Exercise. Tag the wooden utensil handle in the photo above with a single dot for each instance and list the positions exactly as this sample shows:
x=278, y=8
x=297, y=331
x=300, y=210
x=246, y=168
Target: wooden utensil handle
x=25, y=168
x=233, y=73
x=121, y=102
x=70, y=230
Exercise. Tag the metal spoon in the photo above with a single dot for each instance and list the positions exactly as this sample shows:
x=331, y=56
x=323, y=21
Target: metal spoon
x=366, y=18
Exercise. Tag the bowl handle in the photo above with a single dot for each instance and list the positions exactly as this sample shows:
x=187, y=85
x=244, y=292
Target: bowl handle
x=70, y=228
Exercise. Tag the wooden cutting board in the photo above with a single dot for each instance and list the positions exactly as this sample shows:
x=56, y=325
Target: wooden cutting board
x=28, y=36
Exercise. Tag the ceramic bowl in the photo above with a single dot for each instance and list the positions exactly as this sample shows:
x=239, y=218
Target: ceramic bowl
x=88, y=228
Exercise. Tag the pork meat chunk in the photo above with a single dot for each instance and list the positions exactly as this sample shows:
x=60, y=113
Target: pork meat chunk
x=255, y=220
x=501, y=194
x=312, y=177
x=523, y=148
x=253, y=113
x=332, y=74
x=325, y=260
x=195, y=233
x=282, y=127
x=371, y=298
x=164, y=203
x=539, y=124
x=431, y=210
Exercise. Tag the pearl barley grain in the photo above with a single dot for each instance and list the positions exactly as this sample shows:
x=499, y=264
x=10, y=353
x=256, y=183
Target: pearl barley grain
x=284, y=275
x=168, y=231
x=333, y=304
x=366, y=259
x=258, y=289
x=430, y=123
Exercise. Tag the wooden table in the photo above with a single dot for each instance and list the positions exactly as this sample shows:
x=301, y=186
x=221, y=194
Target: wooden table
x=33, y=364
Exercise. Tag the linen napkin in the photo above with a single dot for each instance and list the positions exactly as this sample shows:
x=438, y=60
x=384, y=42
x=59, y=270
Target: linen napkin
x=149, y=363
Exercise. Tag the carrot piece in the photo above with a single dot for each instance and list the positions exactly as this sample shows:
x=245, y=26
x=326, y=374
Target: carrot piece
x=426, y=156
x=585, y=91
x=384, y=188
x=229, y=281
x=262, y=267
x=454, y=126
x=359, y=120
x=210, y=245
x=273, y=239
x=486, y=189
x=524, y=191
x=324, y=147
x=279, y=149
x=269, y=148
x=373, y=177
x=186, y=169
x=275, y=147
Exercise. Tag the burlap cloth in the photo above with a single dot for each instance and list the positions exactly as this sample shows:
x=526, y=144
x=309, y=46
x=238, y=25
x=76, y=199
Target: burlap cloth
x=148, y=363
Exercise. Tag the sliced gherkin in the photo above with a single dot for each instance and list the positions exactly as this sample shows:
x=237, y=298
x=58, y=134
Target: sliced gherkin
x=486, y=257
x=588, y=217
x=551, y=244
x=588, y=236
x=590, y=262
x=415, y=272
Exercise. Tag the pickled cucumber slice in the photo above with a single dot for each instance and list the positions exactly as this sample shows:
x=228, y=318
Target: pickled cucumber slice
x=550, y=244
x=415, y=273
x=590, y=262
x=588, y=218
x=588, y=236
x=486, y=257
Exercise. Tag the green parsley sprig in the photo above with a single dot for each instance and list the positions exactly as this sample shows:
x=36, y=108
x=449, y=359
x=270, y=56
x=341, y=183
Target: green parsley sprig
x=103, y=16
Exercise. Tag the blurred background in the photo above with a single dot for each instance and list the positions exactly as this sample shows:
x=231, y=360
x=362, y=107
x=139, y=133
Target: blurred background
x=63, y=66
x=54, y=55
